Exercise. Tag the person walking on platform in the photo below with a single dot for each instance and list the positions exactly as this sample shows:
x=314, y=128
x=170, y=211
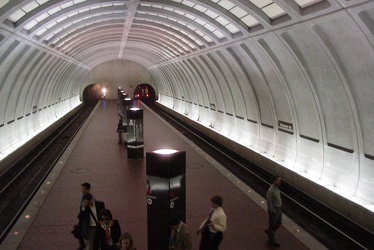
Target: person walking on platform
x=126, y=242
x=90, y=215
x=86, y=189
x=120, y=131
x=180, y=238
x=108, y=232
x=213, y=226
x=274, y=203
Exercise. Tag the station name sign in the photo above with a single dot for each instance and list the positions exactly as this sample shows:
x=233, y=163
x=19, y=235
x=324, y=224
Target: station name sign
x=285, y=126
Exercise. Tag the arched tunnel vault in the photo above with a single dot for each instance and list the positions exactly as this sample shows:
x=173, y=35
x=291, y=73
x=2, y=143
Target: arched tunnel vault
x=287, y=83
x=117, y=73
x=145, y=92
x=92, y=94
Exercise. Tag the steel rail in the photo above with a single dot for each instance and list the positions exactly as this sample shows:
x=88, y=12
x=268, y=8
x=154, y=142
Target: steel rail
x=5, y=232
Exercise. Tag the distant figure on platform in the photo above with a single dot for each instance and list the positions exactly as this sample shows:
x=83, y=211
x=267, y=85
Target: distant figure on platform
x=126, y=242
x=213, y=226
x=108, y=232
x=180, y=238
x=120, y=131
x=274, y=203
x=90, y=215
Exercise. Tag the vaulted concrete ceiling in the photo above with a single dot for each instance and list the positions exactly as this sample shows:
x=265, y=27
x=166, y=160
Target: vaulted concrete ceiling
x=149, y=32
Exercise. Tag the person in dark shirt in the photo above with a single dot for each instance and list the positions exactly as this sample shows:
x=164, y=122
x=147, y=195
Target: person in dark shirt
x=86, y=189
x=108, y=232
x=120, y=131
x=274, y=204
x=90, y=216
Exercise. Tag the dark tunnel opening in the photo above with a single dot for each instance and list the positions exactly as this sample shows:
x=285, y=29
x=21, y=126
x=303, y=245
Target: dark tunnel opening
x=145, y=92
x=92, y=94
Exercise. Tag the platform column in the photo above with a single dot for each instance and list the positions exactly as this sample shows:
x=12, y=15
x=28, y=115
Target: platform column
x=135, y=129
x=121, y=95
x=166, y=194
x=126, y=104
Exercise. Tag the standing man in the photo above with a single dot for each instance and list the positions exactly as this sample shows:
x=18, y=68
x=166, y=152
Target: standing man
x=181, y=238
x=120, y=131
x=274, y=203
x=86, y=189
x=90, y=215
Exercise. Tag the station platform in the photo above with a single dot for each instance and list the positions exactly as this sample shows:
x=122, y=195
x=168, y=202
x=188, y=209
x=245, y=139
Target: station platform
x=95, y=156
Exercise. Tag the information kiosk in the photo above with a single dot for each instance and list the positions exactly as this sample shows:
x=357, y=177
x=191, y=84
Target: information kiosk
x=166, y=193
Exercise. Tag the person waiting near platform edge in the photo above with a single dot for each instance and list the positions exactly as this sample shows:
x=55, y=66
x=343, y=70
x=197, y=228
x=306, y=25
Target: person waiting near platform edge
x=180, y=238
x=213, y=226
x=126, y=242
x=120, y=131
x=90, y=215
x=274, y=203
x=108, y=232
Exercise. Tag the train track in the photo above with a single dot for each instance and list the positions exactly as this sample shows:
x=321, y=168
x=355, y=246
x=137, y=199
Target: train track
x=328, y=227
x=19, y=184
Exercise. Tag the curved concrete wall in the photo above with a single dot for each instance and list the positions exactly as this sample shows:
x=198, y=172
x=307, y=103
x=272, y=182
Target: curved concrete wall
x=37, y=87
x=300, y=96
